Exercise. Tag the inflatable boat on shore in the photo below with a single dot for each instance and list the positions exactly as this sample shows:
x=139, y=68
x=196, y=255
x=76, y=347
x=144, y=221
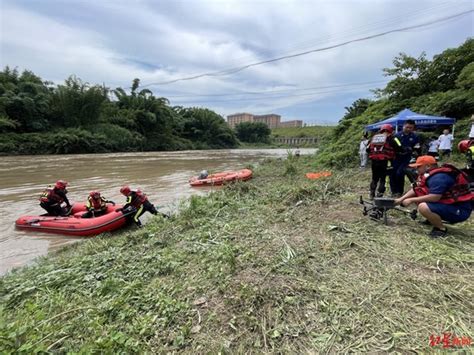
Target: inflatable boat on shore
x=75, y=224
x=222, y=178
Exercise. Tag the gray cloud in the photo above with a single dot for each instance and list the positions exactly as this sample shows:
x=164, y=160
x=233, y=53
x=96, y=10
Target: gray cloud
x=116, y=41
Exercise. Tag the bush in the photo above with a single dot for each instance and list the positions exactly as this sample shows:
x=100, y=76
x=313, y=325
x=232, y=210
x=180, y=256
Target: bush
x=70, y=141
x=253, y=132
x=119, y=138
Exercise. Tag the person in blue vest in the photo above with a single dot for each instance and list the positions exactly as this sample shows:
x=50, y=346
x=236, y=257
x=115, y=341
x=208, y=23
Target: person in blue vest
x=410, y=143
x=441, y=193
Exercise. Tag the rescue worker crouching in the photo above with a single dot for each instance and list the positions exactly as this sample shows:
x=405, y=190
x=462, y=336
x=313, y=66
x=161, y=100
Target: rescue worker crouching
x=441, y=193
x=53, y=197
x=96, y=205
x=382, y=149
x=138, y=201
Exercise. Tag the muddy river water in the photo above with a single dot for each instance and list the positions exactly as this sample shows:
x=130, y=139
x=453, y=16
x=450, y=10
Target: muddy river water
x=163, y=176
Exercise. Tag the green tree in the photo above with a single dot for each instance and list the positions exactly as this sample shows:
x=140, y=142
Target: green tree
x=445, y=68
x=207, y=128
x=357, y=108
x=77, y=104
x=465, y=79
x=407, y=71
x=24, y=101
x=253, y=132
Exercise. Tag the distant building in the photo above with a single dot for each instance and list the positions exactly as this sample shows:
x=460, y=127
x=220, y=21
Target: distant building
x=236, y=118
x=294, y=123
x=271, y=120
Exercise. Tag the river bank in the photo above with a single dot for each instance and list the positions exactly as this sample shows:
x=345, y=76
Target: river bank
x=162, y=175
x=279, y=263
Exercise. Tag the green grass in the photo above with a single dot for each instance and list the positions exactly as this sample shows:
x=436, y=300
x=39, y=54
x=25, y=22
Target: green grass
x=276, y=264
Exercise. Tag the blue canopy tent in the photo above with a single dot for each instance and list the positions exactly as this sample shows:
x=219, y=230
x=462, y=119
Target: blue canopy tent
x=421, y=121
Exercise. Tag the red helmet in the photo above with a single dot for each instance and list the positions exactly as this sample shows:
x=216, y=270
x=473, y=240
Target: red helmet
x=125, y=190
x=463, y=146
x=94, y=194
x=387, y=128
x=60, y=184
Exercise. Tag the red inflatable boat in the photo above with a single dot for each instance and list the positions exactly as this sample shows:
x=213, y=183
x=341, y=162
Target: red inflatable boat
x=74, y=224
x=221, y=178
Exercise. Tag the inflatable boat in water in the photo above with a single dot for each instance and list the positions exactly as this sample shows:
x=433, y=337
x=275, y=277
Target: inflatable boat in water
x=75, y=224
x=222, y=178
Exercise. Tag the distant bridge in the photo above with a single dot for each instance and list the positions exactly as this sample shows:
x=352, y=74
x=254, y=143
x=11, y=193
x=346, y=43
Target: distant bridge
x=295, y=140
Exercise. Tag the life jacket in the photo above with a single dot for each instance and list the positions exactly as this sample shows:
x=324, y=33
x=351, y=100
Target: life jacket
x=50, y=195
x=470, y=157
x=97, y=205
x=470, y=151
x=137, y=198
x=380, y=148
x=461, y=191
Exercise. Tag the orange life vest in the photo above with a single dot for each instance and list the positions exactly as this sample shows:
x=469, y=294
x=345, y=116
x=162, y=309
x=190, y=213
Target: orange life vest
x=459, y=192
x=96, y=204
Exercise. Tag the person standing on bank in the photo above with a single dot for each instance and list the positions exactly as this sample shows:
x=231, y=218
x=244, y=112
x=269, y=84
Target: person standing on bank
x=382, y=150
x=445, y=144
x=433, y=147
x=471, y=133
x=364, y=143
x=409, y=142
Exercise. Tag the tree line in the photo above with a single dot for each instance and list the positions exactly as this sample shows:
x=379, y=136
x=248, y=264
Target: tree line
x=38, y=117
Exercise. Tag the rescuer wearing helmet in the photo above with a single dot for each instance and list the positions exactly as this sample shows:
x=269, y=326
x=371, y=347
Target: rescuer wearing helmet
x=53, y=197
x=441, y=193
x=203, y=174
x=96, y=205
x=382, y=149
x=410, y=143
x=138, y=200
x=466, y=147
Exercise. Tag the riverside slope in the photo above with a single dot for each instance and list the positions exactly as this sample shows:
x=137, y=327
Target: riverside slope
x=276, y=264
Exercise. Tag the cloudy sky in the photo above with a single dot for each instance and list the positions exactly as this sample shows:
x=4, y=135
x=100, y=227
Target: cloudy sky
x=160, y=41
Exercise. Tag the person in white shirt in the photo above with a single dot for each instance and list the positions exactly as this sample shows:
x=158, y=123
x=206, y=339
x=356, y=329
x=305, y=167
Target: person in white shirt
x=471, y=134
x=297, y=152
x=364, y=143
x=445, y=143
x=433, y=146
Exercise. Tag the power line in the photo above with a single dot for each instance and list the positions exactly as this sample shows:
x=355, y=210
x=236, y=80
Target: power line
x=277, y=97
x=367, y=27
x=241, y=68
x=277, y=91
